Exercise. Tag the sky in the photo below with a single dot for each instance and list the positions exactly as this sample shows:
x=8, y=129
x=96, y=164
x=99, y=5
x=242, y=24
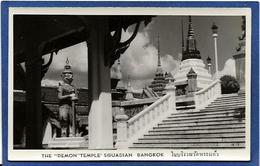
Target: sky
x=139, y=61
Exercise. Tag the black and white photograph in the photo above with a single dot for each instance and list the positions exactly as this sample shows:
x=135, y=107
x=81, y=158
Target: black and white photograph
x=169, y=84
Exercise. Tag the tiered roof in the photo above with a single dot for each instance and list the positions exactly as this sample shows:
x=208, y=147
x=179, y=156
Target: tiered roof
x=159, y=82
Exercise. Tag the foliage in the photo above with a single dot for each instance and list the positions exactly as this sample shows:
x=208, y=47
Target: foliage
x=229, y=84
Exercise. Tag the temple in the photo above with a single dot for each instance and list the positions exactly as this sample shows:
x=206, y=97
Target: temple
x=191, y=59
x=159, y=82
x=184, y=110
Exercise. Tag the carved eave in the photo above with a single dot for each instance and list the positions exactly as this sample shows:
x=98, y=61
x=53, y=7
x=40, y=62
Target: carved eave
x=125, y=21
x=58, y=32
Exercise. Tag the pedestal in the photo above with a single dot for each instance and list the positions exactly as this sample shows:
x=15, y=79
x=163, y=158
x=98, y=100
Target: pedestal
x=121, y=124
x=68, y=142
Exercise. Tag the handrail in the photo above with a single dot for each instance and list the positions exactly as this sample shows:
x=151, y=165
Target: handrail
x=205, y=96
x=140, y=114
x=207, y=88
x=145, y=120
x=129, y=131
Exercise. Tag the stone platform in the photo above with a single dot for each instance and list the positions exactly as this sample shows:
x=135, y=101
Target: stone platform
x=68, y=142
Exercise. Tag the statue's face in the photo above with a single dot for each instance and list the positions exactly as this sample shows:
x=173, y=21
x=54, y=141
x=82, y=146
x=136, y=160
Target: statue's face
x=67, y=77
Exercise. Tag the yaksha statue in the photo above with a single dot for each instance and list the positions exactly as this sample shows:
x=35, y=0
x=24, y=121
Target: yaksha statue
x=67, y=95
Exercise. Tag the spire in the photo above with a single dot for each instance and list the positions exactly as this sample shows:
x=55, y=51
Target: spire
x=159, y=69
x=191, y=51
x=159, y=56
x=182, y=37
x=191, y=30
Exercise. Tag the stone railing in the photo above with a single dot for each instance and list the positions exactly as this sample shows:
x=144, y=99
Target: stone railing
x=129, y=131
x=205, y=96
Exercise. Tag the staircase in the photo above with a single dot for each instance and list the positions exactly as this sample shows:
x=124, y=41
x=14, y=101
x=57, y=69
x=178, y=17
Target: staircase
x=220, y=125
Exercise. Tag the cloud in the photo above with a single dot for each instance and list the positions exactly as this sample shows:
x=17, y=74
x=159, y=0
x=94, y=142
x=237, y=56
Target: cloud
x=77, y=55
x=139, y=62
x=169, y=63
x=229, y=68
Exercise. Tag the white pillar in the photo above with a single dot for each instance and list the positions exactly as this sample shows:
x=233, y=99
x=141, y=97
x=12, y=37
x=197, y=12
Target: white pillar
x=121, y=126
x=170, y=89
x=100, y=115
x=215, y=37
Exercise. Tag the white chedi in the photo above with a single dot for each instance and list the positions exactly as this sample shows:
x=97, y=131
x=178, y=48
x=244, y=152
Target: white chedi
x=204, y=78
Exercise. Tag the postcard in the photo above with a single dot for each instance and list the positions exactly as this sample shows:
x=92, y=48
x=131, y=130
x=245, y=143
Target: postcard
x=129, y=84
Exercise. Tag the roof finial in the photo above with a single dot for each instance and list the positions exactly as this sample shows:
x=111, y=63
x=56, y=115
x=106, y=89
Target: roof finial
x=191, y=30
x=67, y=61
x=67, y=67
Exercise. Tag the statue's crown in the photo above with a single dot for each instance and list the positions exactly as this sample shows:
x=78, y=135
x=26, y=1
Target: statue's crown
x=67, y=67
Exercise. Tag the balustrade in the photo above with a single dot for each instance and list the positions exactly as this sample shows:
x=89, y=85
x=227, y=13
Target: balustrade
x=146, y=119
x=205, y=96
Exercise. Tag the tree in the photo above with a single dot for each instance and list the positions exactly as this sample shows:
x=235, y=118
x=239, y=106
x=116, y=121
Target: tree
x=229, y=84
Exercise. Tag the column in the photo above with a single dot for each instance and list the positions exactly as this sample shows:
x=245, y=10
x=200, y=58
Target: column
x=100, y=102
x=34, y=129
x=214, y=29
x=216, y=55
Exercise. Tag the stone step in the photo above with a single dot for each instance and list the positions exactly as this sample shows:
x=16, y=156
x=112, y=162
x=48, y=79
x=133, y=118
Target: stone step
x=230, y=99
x=189, y=113
x=237, y=107
x=200, y=124
x=192, y=145
x=197, y=114
x=202, y=117
x=228, y=96
x=225, y=96
x=193, y=140
x=231, y=103
x=184, y=129
x=199, y=131
x=219, y=119
x=192, y=135
x=208, y=108
x=227, y=102
x=198, y=127
x=215, y=104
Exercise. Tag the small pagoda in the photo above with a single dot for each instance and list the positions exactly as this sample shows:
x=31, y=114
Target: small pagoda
x=159, y=82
